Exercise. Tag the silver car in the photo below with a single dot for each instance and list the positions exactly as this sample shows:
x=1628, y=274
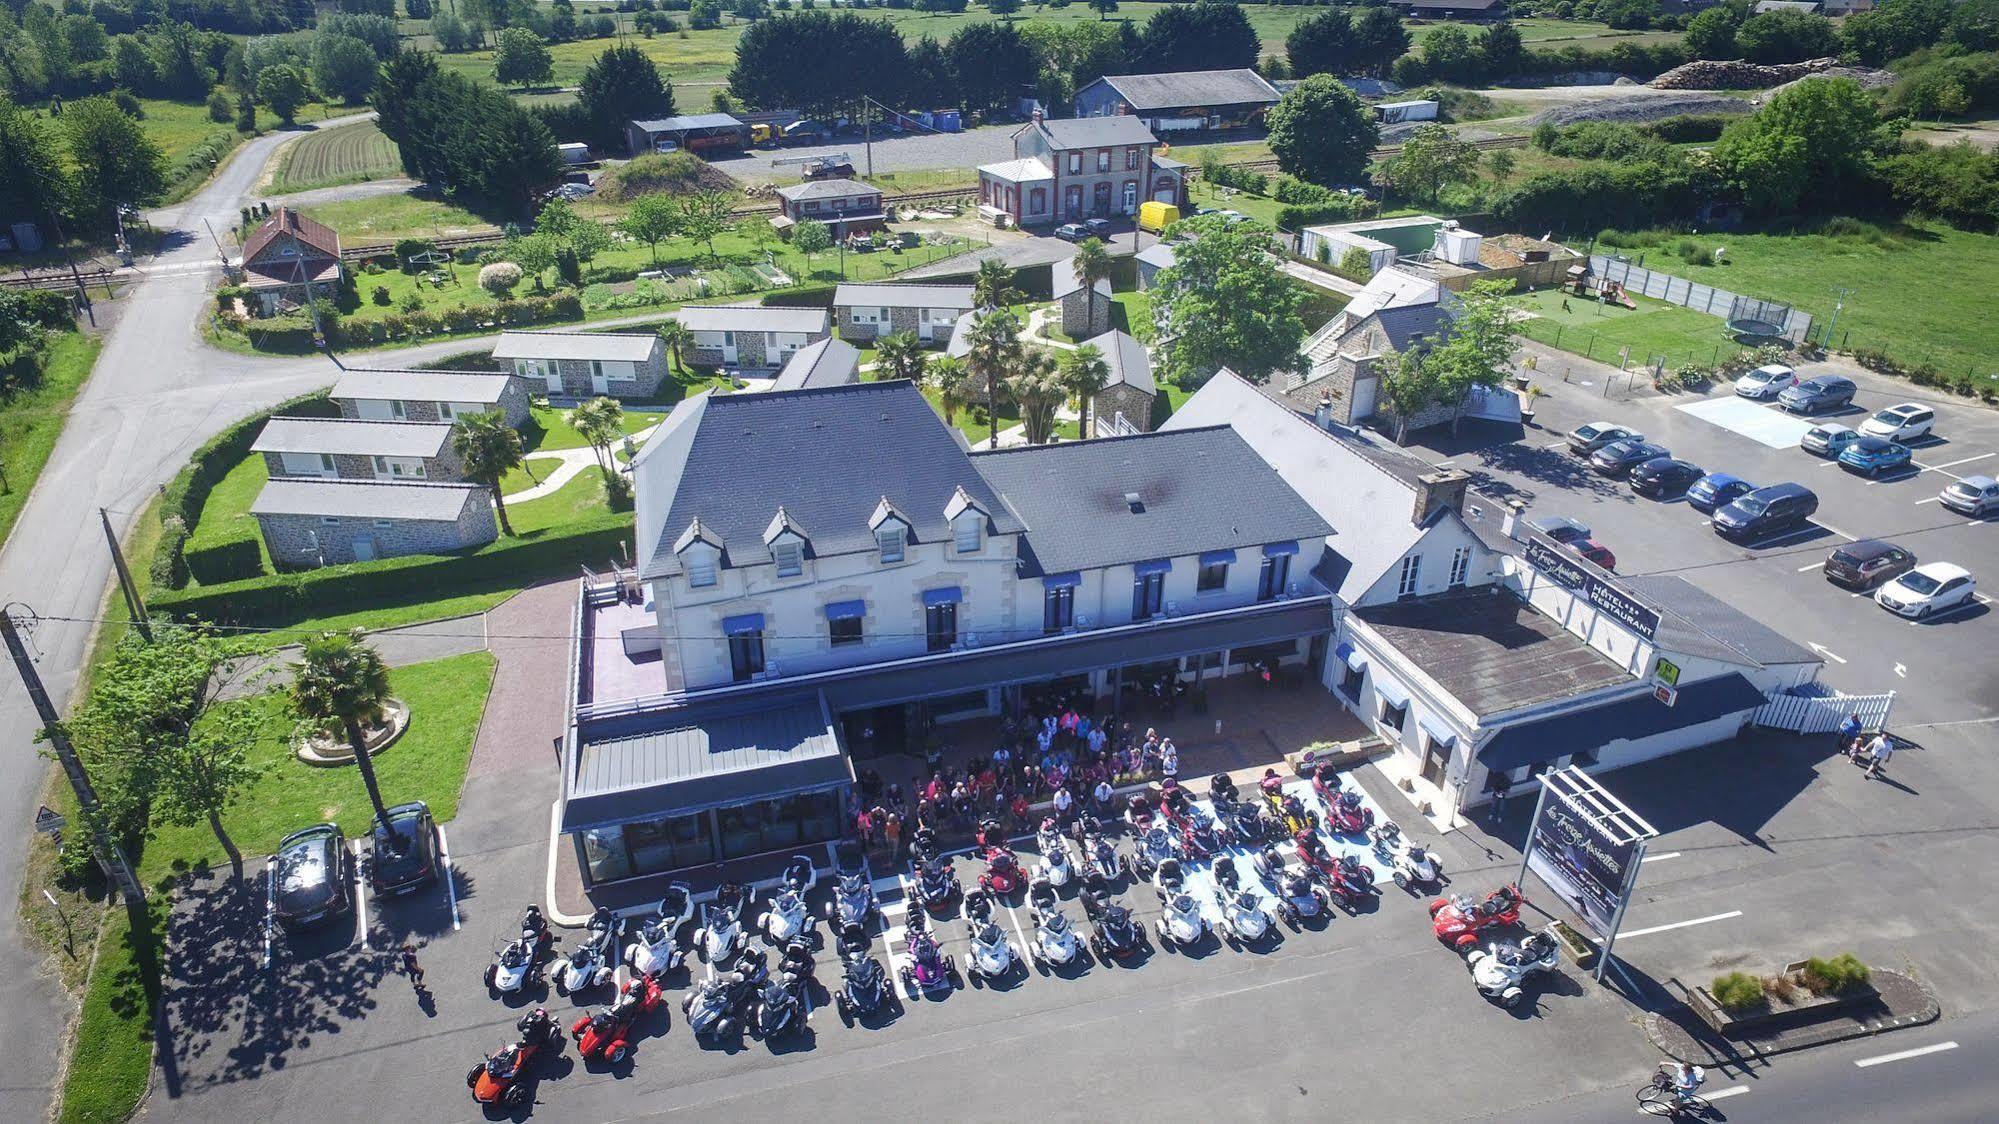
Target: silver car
x=1973, y=496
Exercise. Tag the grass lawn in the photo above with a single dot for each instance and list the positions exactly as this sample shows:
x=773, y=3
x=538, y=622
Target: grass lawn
x=226, y=513
x=1602, y=331
x=928, y=179
x=349, y=154
x=582, y=496
x=386, y=218
x=32, y=419
x=1208, y=197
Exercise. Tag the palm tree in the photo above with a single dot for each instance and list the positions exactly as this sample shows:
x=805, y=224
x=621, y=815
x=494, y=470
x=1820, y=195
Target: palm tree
x=1083, y=372
x=954, y=385
x=992, y=285
x=341, y=680
x=677, y=339
x=1092, y=262
x=901, y=356
x=1039, y=390
x=995, y=340
x=601, y=421
x=489, y=449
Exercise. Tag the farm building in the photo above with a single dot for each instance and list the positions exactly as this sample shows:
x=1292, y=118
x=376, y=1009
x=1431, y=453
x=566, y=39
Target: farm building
x=1168, y=103
x=717, y=133
x=1452, y=9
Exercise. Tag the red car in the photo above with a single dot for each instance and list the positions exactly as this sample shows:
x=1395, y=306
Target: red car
x=1594, y=551
x=498, y=1079
x=607, y=1034
x=1458, y=920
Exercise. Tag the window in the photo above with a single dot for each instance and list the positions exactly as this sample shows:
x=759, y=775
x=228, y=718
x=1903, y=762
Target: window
x=1460, y=565
x=1412, y=569
x=1103, y=160
x=1131, y=158
x=399, y=412
x=967, y=532
x=940, y=626
x=1075, y=163
x=728, y=339
x=1393, y=715
x=844, y=630
x=332, y=519
x=890, y=538
x=790, y=557
x=1148, y=595
x=1037, y=201
x=1270, y=580
x=923, y=316
x=400, y=468
x=1058, y=609
x=746, y=655
x=1214, y=577
x=1350, y=681
x=700, y=569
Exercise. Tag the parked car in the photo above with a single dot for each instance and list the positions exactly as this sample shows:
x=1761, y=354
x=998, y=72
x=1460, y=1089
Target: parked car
x=1867, y=563
x=1906, y=422
x=1099, y=228
x=1561, y=528
x=1716, y=489
x=1661, y=477
x=1766, y=382
x=1930, y=588
x=1072, y=232
x=406, y=860
x=1828, y=440
x=1620, y=457
x=1766, y=511
x=1587, y=439
x=661, y=144
x=1874, y=456
x=1820, y=392
x=1594, y=551
x=1973, y=496
x=309, y=876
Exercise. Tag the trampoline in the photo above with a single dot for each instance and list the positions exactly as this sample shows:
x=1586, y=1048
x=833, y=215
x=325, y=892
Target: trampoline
x=1752, y=319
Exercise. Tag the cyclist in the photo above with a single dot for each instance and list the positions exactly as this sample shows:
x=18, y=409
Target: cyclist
x=1686, y=1078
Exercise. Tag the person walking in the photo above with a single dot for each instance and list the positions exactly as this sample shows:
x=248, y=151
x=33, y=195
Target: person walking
x=412, y=969
x=1878, y=752
x=1849, y=735
x=1501, y=785
x=864, y=826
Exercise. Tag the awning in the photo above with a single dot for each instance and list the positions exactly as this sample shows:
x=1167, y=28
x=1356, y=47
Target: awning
x=1217, y=557
x=948, y=596
x=1070, y=580
x=747, y=622
x=1156, y=566
x=1391, y=692
x=844, y=610
x=1353, y=659
x=1439, y=733
x=1627, y=718
x=1273, y=549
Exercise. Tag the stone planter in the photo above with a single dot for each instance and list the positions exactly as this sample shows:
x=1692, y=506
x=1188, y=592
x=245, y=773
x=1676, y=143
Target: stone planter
x=1580, y=947
x=331, y=750
x=1343, y=755
x=1773, y=1014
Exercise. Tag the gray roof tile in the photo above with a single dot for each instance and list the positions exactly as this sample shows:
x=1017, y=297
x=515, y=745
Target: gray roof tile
x=422, y=386
x=1096, y=132
x=1129, y=362
x=829, y=362
x=1697, y=622
x=365, y=499
x=625, y=347
x=1192, y=88
x=336, y=436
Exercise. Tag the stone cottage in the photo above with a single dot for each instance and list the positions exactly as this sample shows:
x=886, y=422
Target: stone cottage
x=1350, y=355
x=290, y=259
x=752, y=337
x=1124, y=405
x=430, y=396
x=310, y=523
x=1086, y=311
x=585, y=364
x=866, y=312
x=349, y=449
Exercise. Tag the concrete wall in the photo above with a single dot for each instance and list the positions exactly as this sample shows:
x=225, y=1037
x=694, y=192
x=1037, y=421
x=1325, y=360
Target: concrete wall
x=299, y=542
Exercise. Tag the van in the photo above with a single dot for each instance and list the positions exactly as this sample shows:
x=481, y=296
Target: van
x=1766, y=511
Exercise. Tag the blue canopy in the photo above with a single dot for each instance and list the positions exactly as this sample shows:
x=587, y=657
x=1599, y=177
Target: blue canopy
x=842, y=610
x=1273, y=549
x=1217, y=557
x=1070, y=580
x=1156, y=566
x=747, y=622
x=950, y=595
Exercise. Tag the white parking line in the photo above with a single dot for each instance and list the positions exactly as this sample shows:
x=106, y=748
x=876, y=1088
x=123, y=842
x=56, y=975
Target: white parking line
x=1922, y=468
x=1918, y=1052
x=360, y=895
x=450, y=882
x=1660, y=858
x=1932, y=499
x=1810, y=568
x=1837, y=531
x=1967, y=460
x=1017, y=930
x=1680, y=924
x=1724, y=1094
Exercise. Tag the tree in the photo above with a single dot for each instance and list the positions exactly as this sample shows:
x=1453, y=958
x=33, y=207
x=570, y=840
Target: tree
x=928, y=79
x=1004, y=9
x=1711, y=34
x=900, y=356
x=995, y=353
x=1974, y=25
x=704, y=215
x=115, y=161
x=1477, y=346
x=343, y=67
x=622, y=84
x=1082, y=373
x=33, y=181
x=282, y=90
x=516, y=159
x=1501, y=49
x=1628, y=15
x=584, y=238
x=955, y=386
x=651, y=219
x=1379, y=39
x=1431, y=158
x=1224, y=303
x=1038, y=389
x=1895, y=28
x=992, y=285
x=1103, y=8
x=451, y=33
x=1822, y=132
x=1786, y=36
x=521, y=58
x=1408, y=388
x=991, y=61
x=822, y=63
x=1321, y=44
x=1322, y=133
x=600, y=421
x=377, y=31
x=1092, y=262
x=677, y=339
x=180, y=62
x=534, y=253
x=1450, y=54
x=1500, y=163
x=1208, y=35
x=810, y=237
x=489, y=448
x=343, y=682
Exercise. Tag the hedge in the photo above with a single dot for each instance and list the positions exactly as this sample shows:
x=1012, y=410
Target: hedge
x=282, y=599
x=815, y=295
x=1340, y=208
x=232, y=559
x=54, y=309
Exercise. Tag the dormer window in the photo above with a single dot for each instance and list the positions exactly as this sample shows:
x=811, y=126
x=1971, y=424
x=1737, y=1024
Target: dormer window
x=892, y=538
x=790, y=557
x=968, y=532
x=700, y=569
x=700, y=554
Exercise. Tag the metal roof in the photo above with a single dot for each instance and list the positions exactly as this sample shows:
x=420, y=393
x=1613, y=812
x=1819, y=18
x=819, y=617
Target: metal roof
x=425, y=386
x=903, y=295
x=752, y=318
x=1628, y=718
x=1130, y=364
x=1024, y=170
x=1198, y=489
x=1191, y=89
x=688, y=122
x=365, y=499
x=829, y=189
x=1095, y=132
x=1695, y=621
x=1491, y=651
x=624, y=347
x=829, y=362
x=334, y=436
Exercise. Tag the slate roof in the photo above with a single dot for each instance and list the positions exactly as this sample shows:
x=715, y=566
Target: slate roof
x=337, y=436
x=833, y=454
x=1695, y=621
x=1492, y=651
x=1198, y=489
x=903, y=296
x=1130, y=364
x=1634, y=716
x=1192, y=89
x=828, y=189
x=1096, y=132
x=1159, y=255
x=626, y=347
x=752, y=318
x=690, y=121
x=1065, y=281
x=424, y=386
x=364, y=499
x=829, y=362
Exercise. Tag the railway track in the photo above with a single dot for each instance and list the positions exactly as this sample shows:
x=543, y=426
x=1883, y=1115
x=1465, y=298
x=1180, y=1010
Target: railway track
x=1382, y=153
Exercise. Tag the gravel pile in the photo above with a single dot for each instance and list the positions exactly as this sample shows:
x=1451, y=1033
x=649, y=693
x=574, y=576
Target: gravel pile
x=1868, y=77
x=1639, y=108
x=1720, y=74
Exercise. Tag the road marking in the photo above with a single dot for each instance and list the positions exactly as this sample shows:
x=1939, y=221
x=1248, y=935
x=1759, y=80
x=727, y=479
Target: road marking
x=1017, y=930
x=1837, y=531
x=1660, y=858
x=1828, y=653
x=450, y=882
x=1918, y=1052
x=1680, y=924
x=1967, y=460
x=1932, y=499
x=1724, y=1094
x=1901, y=672
x=1810, y=568
x=360, y=895
x=1922, y=468
x=270, y=905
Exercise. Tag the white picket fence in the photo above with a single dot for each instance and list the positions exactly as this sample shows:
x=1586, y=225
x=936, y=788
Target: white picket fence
x=1822, y=714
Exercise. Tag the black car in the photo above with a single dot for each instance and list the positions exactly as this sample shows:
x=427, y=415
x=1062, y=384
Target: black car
x=406, y=859
x=1098, y=228
x=309, y=876
x=1868, y=563
x=1561, y=528
x=1821, y=392
x=1766, y=511
x=1620, y=457
x=1661, y=477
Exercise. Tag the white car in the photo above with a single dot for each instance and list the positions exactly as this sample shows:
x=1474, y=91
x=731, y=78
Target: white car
x=1905, y=423
x=1766, y=382
x=1932, y=587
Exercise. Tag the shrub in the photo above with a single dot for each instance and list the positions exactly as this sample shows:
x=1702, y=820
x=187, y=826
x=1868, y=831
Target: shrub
x=54, y=309
x=219, y=109
x=230, y=559
x=1298, y=191
x=407, y=248
x=1693, y=253
x=619, y=489
x=1737, y=992
x=380, y=295
x=1836, y=976
x=1339, y=208
x=499, y=278
x=1780, y=988
x=1357, y=264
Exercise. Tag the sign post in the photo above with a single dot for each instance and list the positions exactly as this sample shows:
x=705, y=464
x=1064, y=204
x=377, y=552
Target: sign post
x=1586, y=845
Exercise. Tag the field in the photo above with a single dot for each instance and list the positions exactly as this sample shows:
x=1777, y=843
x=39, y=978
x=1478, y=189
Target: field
x=32, y=419
x=1603, y=332
x=179, y=127
x=386, y=218
x=349, y=154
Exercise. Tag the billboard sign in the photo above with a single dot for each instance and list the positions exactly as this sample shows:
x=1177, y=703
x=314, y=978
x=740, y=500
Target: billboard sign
x=1586, y=862
x=1569, y=572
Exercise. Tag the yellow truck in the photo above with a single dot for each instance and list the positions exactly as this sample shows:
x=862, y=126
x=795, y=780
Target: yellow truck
x=1156, y=216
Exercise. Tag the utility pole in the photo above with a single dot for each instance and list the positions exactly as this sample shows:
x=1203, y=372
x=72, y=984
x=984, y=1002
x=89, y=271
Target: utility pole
x=109, y=855
x=867, y=141
x=135, y=605
x=1839, y=293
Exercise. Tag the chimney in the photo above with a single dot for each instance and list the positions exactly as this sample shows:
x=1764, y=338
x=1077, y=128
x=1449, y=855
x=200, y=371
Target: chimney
x=1323, y=416
x=1136, y=505
x=1514, y=508
x=1439, y=488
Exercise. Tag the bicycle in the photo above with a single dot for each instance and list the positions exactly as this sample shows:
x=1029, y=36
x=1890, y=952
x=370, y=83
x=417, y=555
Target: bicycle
x=1660, y=1097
